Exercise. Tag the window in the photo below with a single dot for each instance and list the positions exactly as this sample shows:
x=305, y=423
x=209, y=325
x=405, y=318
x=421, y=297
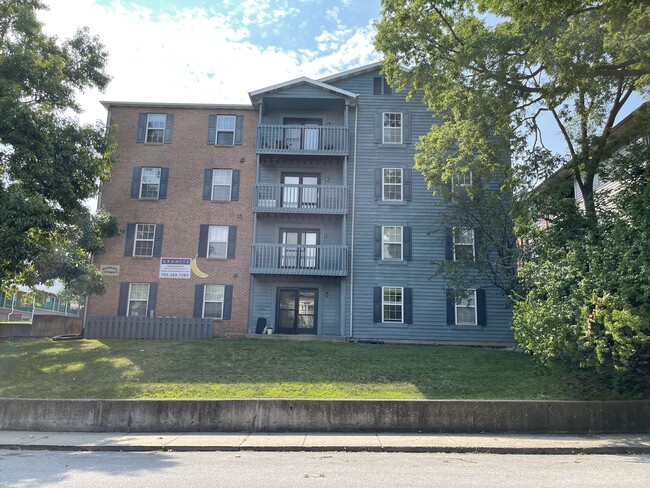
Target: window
x=156, y=128
x=463, y=244
x=213, y=299
x=380, y=86
x=462, y=180
x=466, y=310
x=150, y=183
x=392, y=133
x=392, y=184
x=138, y=299
x=218, y=241
x=144, y=240
x=226, y=129
x=221, y=184
x=391, y=243
x=392, y=304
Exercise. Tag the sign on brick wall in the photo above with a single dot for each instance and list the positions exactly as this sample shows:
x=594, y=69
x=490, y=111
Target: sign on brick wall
x=175, y=268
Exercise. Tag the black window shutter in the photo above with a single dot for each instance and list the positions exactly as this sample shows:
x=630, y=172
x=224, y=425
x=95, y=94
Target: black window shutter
x=212, y=129
x=406, y=183
x=135, y=182
x=451, y=308
x=449, y=244
x=378, y=126
x=376, y=302
x=377, y=254
x=479, y=249
x=407, y=246
x=408, y=305
x=203, y=241
x=130, y=235
x=164, y=178
x=234, y=194
x=481, y=307
x=239, y=125
x=227, y=302
x=153, y=298
x=232, y=241
x=376, y=85
x=207, y=184
x=378, y=183
x=169, y=128
x=406, y=128
x=142, y=128
x=198, y=301
x=123, y=302
x=387, y=89
x=157, y=240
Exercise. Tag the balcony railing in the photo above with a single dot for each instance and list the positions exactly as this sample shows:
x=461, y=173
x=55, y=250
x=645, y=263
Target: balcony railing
x=292, y=259
x=303, y=199
x=300, y=139
x=60, y=307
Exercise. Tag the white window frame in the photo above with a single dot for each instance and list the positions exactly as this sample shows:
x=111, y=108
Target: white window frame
x=147, y=129
x=142, y=182
x=214, y=185
x=226, y=129
x=222, y=301
x=384, y=242
x=146, y=300
x=457, y=238
x=384, y=185
x=387, y=128
x=463, y=302
x=385, y=303
x=457, y=182
x=225, y=253
x=136, y=240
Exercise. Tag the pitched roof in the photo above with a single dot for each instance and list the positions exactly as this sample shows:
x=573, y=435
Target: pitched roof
x=303, y=80
x=352, y=72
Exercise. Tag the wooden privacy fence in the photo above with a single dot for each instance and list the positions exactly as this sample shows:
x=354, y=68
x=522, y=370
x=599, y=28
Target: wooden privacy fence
x=148, y=328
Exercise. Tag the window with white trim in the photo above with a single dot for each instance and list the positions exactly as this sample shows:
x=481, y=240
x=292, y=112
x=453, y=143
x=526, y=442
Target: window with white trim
x=144, y=240
x=221, y=184
x=392, y=304
x=462, y=180
x=213, y=298
x=464, y=249
x=150, y=183
x=138, y=300
x=392, y=129
x=392, y=243
x=466, y=310
x=226, y=129
x=218, y=241
x=392, y=184
x=156, y=128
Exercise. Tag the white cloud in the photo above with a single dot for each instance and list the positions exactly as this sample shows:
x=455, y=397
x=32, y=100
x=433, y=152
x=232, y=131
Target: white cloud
x=192, y=56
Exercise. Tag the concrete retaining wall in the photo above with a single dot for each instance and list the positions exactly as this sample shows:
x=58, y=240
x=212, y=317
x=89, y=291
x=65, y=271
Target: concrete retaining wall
x=325, y=416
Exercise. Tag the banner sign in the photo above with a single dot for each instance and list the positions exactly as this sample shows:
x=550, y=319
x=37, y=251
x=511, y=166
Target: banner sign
x=175, y=268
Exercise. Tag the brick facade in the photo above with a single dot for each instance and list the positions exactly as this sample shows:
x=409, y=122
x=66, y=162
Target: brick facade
x=182, y=211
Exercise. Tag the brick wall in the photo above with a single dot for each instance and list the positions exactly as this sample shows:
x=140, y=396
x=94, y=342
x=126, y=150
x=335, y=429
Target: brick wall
x=182, y=212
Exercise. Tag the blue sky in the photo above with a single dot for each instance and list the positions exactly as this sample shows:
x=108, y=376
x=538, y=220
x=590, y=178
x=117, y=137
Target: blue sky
x=216, y=51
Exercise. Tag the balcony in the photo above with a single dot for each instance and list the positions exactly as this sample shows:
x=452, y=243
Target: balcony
x=301, y=199
x=299, y=139
x=305, y=260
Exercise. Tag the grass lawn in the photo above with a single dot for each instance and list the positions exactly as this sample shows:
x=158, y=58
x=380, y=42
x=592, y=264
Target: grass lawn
x=238, y=368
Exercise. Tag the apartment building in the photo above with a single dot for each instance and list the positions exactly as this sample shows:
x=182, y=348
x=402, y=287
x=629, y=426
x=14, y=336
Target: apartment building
x=181, y=192
x=336, y=231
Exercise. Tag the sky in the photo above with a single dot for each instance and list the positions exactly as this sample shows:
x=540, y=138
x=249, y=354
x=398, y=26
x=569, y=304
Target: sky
x=198, y=51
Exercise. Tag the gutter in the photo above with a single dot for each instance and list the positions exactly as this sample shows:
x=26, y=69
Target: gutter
x=354, y=197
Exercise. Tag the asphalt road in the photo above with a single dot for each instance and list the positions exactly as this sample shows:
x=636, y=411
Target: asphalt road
x=323, y=469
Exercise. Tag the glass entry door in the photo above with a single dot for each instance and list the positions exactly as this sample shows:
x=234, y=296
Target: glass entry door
x=296, y=313
x=300, y=191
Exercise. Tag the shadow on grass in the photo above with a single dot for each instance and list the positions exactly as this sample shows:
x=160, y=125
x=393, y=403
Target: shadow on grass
x=280, y=369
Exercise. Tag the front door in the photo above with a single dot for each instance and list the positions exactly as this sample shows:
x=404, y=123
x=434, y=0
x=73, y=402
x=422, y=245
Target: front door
x=296, y=312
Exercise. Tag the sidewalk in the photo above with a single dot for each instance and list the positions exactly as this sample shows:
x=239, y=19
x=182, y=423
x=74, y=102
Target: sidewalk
x=319, y=441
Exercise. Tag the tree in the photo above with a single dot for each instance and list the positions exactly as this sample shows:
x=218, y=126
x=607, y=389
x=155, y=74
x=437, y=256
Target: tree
x=49, y=163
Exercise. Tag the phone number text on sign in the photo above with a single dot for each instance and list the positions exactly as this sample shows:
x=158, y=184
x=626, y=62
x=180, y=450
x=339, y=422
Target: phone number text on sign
x=175, y=268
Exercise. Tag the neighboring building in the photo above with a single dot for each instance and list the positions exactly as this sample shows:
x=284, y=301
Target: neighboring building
x=16, y=308
x=181, y=190
x=341, y=229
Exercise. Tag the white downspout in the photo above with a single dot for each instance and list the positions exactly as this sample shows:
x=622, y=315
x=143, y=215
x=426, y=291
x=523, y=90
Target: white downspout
x=354, y=198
